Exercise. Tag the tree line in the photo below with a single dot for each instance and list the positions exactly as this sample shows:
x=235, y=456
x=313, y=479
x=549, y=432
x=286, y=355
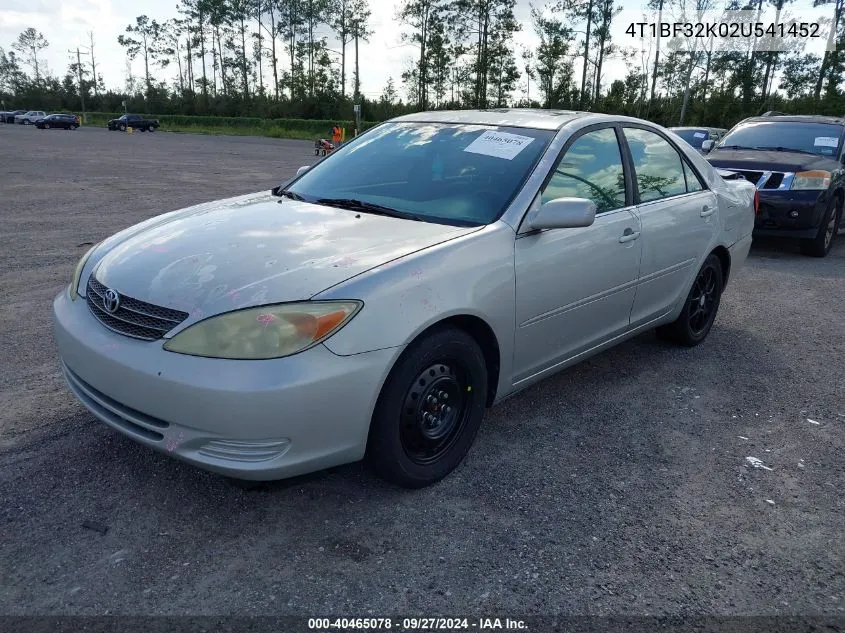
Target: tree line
x=300, y=59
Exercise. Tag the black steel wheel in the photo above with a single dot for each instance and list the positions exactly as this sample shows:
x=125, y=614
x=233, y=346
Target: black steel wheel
x=434, y=411
x=700, y=307
x=429, y=409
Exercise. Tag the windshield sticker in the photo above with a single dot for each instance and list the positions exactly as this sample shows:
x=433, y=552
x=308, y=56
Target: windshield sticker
x=826, y=141
x=499, y=145
x=699, y=135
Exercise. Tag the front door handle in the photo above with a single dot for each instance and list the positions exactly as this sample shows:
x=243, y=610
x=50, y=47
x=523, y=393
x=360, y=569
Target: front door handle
x=707, y=211
x=629, y=236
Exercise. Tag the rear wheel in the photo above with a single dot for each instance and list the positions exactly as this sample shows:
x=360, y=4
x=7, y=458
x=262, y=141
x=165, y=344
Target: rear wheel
x=820, y=245
x=429, y=409
x=693, y=324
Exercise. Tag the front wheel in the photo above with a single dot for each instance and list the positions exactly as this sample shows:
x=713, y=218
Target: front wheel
x=429, y=409
x=820, y=245
x=702, y=303
x=122, y=127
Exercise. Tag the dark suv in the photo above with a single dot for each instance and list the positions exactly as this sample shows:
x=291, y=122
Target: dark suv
x=796, y=162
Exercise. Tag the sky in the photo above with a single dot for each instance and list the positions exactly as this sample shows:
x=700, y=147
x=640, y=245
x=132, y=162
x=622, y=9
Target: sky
x=66, y=24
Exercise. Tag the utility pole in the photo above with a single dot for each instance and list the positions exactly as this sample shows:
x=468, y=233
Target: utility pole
x=93, y=63
x=81, y=88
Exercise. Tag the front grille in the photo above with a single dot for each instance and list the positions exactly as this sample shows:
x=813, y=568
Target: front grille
x=772, y=181
x=133, y=317
x=752, y=176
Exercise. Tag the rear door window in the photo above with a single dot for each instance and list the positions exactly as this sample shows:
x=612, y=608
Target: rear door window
x=657, y=165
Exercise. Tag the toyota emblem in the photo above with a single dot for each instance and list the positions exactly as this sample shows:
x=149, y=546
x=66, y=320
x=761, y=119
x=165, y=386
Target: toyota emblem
x=111, y=301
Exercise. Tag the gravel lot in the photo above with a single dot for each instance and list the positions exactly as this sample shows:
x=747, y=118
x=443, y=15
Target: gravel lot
x=620, y=486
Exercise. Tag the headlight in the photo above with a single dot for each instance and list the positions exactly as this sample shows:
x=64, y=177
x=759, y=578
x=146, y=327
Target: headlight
x=266, y=332
x=77, y=272
x=816, y=179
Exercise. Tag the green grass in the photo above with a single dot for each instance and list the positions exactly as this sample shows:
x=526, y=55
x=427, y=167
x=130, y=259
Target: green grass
x=271, y=132
x=308, y=129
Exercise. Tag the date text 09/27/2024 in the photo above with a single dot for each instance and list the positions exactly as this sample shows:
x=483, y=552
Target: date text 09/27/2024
x=416, y=624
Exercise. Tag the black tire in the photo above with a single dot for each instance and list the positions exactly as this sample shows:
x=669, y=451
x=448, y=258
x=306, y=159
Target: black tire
x=820, y=245
x=151, y=128
x=73, y=126
x=700, y=307
x=429, y=409
x=122, y=127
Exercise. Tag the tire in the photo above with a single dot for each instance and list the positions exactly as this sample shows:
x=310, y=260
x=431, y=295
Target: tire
x=151, y=128
x=73, y=126
x=122, y=127
x=700, y=307
x=47, y=126
x=429, y=409
x=142, y=129
x=820, y=245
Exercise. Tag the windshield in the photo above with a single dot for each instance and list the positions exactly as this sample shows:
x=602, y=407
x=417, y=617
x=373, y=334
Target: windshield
x=693, y=137
x=448, y=173
x=815, y=138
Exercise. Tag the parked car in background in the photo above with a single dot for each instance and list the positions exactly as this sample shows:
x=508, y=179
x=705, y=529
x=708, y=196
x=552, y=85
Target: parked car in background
x=29, y=118
x=425, y=270
x=696, y=136
x=796, y=163
x=9, y=117
x=63, y=121
x=135, y=121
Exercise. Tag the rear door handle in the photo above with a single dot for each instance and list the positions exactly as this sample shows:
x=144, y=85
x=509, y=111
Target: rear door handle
x=707, y=211
x=629, y=236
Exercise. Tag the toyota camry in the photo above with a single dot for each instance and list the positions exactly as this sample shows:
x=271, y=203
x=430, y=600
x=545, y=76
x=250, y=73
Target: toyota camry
x=378, y=302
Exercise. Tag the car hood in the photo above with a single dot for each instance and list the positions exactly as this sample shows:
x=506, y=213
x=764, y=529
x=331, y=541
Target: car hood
x=762, y=160
x=257, y=249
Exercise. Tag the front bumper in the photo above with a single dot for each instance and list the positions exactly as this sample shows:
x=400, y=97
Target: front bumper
x=259, y=420
x=776, y=209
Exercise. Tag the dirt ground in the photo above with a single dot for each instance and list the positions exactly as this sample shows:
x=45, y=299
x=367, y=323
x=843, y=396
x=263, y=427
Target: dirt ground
x=621, y=486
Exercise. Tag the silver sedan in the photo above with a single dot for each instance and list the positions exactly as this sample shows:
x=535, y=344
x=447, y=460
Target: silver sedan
x=375, y=305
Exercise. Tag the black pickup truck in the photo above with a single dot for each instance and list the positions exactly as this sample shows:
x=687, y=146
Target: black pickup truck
x=135, y=121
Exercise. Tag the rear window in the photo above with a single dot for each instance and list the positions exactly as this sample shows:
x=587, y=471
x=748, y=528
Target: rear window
x=694, y=137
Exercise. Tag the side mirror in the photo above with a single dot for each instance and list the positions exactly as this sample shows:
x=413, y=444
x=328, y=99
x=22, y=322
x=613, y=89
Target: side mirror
x=565, y=213
x=707, y=145
x=302, y=170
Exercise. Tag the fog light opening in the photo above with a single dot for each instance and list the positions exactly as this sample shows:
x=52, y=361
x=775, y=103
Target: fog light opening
x=793, y=214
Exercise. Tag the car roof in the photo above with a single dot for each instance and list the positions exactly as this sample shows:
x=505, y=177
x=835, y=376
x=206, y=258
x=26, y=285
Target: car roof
x=796, y=118
x=513, y=117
